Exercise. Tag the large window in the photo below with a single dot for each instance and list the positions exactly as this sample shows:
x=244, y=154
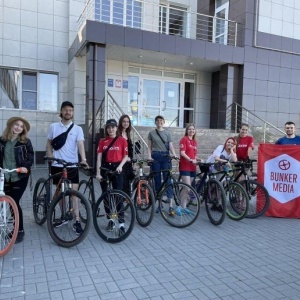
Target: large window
x=173, y=20
x=121, y=12
x=28, y=90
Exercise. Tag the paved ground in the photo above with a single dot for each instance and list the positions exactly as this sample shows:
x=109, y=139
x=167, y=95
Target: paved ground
x=250, y=259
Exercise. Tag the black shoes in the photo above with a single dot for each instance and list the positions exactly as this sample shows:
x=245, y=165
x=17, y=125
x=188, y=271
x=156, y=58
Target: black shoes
x=20, y=236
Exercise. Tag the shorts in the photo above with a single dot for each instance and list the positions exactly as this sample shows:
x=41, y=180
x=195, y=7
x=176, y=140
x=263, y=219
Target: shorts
x=188, y=173
x=73, y=174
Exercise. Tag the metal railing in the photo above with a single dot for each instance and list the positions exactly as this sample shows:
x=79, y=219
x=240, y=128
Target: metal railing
x=114, y=111
x=261, y=130
x=166, y=19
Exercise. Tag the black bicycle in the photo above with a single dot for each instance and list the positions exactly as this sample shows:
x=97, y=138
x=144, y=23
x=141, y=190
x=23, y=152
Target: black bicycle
x=175, y=198
x=211, y=191
x=113, y=213
x=62, y=210
x=259, y=198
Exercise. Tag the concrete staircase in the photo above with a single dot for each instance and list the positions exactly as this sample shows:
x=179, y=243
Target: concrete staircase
x=208, y=139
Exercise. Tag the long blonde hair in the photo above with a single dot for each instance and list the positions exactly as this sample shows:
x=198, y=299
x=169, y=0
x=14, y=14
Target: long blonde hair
x=7, y=133
x=187, y=128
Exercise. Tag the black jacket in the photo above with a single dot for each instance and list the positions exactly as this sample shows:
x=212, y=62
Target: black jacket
x=24, y=155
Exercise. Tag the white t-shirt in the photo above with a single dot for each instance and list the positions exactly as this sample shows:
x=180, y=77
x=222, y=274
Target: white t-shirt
x=69, y=151
x=221, y=153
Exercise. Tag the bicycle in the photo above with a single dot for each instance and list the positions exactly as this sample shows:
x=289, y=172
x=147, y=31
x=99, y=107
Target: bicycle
x=61, y=210
x=9, y=216
x=142, y=196
x=259, y=198
x=173, y=192
x=113, y=220
x=237, y=200
x=212, y=193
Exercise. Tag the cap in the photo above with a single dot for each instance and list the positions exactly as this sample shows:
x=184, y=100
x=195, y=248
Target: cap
x=159, y=117
x=13, y=119
x=66, y=103
x=111, y=122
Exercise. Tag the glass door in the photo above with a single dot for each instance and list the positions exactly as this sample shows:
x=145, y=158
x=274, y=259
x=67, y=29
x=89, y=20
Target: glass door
x=171, y=103
x=220, y=24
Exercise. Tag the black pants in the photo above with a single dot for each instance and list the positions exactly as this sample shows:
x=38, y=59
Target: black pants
x=16, y=190
x=117, y=183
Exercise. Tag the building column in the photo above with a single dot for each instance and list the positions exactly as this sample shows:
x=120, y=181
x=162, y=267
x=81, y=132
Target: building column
x=95, y=94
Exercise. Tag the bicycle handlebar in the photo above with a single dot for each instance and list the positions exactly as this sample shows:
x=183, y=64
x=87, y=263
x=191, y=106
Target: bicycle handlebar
x=62, y=161
x=18, y=170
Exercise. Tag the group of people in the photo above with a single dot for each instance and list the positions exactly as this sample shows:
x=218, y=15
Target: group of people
x=114, y=152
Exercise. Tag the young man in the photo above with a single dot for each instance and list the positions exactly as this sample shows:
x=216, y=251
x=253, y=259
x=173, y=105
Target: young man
x=291, y=138
x=68, y=152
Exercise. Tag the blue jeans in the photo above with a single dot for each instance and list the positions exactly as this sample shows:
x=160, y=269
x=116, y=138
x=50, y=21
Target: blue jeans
x=161, y=162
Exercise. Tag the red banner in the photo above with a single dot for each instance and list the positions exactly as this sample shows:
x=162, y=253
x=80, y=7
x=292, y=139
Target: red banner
x=279, y=171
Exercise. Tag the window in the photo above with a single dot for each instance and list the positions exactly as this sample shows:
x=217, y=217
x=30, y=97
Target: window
x=173, y=20
x=121, y=12
x=28, y=90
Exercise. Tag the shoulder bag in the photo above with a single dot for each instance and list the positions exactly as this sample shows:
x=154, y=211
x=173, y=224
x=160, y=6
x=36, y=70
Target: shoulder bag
x=60, y=140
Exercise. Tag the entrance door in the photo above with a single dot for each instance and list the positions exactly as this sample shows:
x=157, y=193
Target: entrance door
x=159, y=98
x=220, y=31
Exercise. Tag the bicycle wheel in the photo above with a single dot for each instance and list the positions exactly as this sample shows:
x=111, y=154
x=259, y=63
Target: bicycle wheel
x=112, y=222
x=61, y=219
x=215, y=201
x=85, y=189
x=41, y=196
x=237, y=201
x=259, y=198
x=144, y=202
x=9, y=224
x=178, y=212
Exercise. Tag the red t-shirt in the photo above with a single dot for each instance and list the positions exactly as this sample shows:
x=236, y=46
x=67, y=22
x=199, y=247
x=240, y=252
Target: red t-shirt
x=116, y=152
x=244, y=144
x=190, y=148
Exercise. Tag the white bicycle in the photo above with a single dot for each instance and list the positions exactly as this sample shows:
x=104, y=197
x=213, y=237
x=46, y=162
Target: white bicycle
x=9, y=216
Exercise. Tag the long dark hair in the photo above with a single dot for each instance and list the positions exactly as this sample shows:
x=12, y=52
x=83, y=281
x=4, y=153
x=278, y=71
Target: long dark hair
x=120, y=128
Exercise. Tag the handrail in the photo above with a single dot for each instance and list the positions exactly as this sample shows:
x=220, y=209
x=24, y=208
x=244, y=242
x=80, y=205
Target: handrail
x=121, y=112
x=236, y=114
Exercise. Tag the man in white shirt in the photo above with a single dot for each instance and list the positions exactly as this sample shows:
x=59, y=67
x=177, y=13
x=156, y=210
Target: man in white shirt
x=68, y=152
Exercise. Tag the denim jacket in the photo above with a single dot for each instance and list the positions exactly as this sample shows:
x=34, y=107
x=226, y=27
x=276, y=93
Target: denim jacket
x=24, y=155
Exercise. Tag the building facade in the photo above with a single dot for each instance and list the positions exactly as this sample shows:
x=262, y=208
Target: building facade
x=187, y=60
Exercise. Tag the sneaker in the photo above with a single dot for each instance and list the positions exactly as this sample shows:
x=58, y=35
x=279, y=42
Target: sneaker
x=171, y=211
x=121, y=231
x=178, y=211
x=193, y=202
x=20, y=236
x=110, y=225
x=159, y=209
x=60, y=222
x=77, y=228
x=187, y=212
x=218, y=208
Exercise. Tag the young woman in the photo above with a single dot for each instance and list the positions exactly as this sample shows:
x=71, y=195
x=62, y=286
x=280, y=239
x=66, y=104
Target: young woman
x=225, y=153
x=16, y=152
x=160, y=144
x=245, y=143
x=124, y=129
x=188, y=159
x=112, y=154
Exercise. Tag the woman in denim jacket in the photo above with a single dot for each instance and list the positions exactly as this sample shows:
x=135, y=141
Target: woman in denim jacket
x=16, y=152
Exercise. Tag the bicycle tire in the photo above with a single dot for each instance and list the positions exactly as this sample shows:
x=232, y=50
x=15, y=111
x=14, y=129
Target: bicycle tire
x=85, y=189
x=259, y=198
x=40, y=201
x=215, y=201
x=101, y=216
x=9, y=224
x=145, y=204
x=237, y=201
x=183, y=214
x=64, y=235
